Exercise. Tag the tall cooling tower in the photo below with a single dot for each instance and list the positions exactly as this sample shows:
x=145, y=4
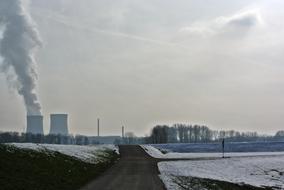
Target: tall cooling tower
x=35, y=124
x=59, y=124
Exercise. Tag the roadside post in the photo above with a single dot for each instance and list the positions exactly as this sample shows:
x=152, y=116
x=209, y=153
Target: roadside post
x=223, y=147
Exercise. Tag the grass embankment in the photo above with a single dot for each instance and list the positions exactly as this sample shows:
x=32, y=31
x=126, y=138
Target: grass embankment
x=23, y=169
x=192, y=183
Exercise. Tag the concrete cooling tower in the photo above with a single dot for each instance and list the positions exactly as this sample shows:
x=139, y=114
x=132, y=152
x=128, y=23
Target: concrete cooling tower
x=35, y=124
x=59, y=124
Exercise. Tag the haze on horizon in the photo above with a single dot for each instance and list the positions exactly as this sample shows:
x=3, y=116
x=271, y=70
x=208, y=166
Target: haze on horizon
x=139, y=63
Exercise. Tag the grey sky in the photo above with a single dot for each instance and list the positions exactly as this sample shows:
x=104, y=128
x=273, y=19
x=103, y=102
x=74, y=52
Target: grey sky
x=142, y=62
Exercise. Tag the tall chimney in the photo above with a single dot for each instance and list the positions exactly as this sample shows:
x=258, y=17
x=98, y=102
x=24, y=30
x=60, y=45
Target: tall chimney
x=98, y=127
x=35, y=124
x=122, y=132
x=59, y=124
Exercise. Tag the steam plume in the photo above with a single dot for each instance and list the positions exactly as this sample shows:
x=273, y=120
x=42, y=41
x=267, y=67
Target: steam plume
x=20, y=39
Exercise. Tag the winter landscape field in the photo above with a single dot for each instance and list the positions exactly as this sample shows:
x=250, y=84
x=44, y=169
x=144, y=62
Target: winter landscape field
x=256, y=169
x=29, y=166
x=90, y=154
x=141, y=95
x=181, y=166
x=261, y=146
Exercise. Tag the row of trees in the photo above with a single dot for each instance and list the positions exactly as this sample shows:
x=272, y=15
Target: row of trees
x=182, y=133
x=177, y=133
x=9, y=137
x=14, y=137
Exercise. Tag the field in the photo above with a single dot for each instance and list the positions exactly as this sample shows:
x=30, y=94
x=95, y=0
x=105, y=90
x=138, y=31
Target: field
x=42, y=167
x=90, y=154
x=167, y=154
x=260, y=171
x=229, y=147
x=207, y=170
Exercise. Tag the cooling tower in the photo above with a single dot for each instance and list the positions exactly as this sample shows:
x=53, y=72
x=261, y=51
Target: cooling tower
x=35, y=124
x=59, y=124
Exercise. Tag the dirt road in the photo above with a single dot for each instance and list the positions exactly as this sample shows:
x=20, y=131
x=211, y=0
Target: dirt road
x=135, y=170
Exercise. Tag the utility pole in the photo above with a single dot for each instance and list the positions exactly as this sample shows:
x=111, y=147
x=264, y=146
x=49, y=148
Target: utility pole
x=98, y=127
x=122, y=135
x=223, y=147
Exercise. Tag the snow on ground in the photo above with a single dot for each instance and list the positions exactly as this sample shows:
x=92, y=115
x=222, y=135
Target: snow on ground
x=90, y=154
x=253, y=168
x=257, y=171
x=259, y=146
x=154, y=152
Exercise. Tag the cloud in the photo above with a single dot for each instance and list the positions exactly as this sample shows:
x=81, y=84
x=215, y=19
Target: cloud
x=245, y=19
x=240, y=22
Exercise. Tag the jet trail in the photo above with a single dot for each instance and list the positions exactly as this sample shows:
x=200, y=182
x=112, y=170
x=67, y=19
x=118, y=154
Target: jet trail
x=67, y=22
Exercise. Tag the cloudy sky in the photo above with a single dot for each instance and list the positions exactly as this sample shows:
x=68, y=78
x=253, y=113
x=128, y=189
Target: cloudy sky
x=139, y=63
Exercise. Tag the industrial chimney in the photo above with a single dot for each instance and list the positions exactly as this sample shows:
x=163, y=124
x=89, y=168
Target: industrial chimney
x=35, y=124
x=59, y=124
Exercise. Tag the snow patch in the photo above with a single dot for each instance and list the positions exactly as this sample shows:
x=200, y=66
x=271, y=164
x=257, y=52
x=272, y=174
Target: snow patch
x=90, y=154
x=154, y=152
x=256, y=171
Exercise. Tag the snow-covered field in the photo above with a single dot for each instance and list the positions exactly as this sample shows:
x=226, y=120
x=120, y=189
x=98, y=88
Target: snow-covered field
x=217, y=147
x=90, y=154
x=154, y=152
x=252, y=168
x=255, y=171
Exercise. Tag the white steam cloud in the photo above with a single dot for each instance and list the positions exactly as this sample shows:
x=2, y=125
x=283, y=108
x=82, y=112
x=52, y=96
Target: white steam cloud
x=18, y=43
x=239, y=22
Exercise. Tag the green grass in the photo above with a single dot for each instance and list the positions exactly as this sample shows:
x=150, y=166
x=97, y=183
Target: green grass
x=23, y=169
x=193, y=183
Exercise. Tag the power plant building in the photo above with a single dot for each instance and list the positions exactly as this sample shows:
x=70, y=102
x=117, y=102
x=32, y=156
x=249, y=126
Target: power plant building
x=35, y=124
x=59, y=124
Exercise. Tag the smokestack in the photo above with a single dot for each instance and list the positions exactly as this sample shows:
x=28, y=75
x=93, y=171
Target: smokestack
x=122, y=131
x=59, y=124
x=35, y=124
x=98, y=127
x=18, y=43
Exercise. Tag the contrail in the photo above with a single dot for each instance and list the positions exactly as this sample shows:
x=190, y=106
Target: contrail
x=67, y=22
x=19, y=41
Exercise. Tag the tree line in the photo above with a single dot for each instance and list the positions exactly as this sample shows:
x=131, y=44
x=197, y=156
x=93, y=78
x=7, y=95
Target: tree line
x=15, y=137
x=177, y=133
x=184, y=133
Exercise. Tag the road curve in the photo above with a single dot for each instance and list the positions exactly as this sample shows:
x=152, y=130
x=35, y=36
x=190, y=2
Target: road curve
x=135, y=170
